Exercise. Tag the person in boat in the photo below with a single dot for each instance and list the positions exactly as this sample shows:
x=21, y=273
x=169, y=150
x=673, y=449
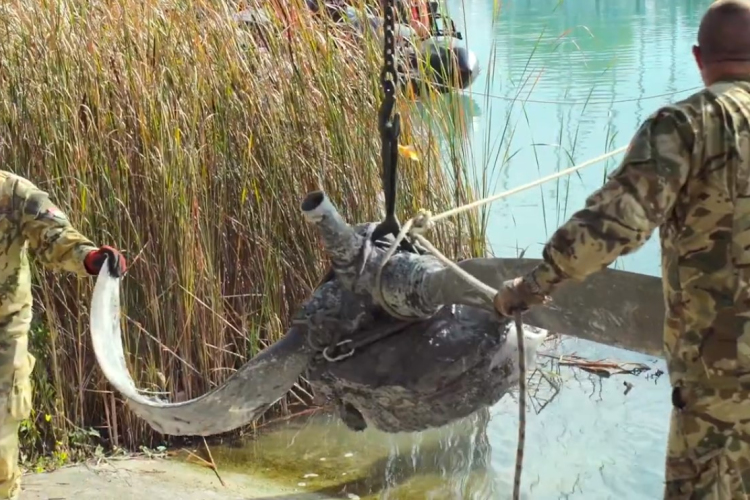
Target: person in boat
x=30, y=221
x=687, y=173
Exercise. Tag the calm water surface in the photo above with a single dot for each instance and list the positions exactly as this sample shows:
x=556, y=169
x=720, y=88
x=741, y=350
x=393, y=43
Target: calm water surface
x=583, y=75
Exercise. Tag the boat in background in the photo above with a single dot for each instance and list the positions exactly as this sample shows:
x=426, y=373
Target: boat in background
x=429, y=48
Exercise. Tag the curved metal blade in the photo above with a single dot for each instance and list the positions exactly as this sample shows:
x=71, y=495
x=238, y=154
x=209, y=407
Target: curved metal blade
x=242, y=398
x=616, y=308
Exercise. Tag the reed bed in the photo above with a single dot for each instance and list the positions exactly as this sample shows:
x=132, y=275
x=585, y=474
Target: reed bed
x=186, y=139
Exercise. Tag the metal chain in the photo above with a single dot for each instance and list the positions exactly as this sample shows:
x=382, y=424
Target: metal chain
x=389, y=125
x=389, y=58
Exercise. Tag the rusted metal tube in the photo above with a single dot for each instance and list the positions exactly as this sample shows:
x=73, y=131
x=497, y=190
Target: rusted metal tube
x=342, y=244
x=357, y=262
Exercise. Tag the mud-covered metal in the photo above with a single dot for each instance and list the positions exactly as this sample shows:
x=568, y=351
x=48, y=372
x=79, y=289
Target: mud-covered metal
x=455, y=357
x=616, y=308
x=242, y=398
x=401, y=376
x=427, y=373
x=357, y=261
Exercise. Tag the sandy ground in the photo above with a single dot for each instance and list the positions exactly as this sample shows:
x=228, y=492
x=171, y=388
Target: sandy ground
x=141, y=479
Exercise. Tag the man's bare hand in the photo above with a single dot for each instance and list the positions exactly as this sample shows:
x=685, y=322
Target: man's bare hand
x=517, y=296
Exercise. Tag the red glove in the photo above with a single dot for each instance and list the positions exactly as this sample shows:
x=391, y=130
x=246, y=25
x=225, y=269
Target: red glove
x=518, y=295
x=95, y=259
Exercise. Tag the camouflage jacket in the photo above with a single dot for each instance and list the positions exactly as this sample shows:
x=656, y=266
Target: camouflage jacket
x=687, y=172
x=29, y=221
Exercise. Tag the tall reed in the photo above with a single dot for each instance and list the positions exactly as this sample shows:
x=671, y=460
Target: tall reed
x=188, y=141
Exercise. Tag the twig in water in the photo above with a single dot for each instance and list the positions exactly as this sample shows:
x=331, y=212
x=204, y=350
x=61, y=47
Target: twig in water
x=213, y=464
x=521, y=407
x=192, y=454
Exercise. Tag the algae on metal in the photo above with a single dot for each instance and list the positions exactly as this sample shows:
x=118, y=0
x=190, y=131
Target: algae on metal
x=320, y=455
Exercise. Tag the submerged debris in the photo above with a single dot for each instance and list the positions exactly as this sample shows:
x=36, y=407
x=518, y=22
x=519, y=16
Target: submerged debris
x=603, y=368
x=628, y=387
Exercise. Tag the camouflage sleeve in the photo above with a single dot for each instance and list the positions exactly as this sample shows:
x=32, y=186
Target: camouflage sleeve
x=52, y=239
x=621, y=216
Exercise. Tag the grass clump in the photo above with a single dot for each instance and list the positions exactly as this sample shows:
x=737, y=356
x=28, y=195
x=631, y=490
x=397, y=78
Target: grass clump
x=170, y=131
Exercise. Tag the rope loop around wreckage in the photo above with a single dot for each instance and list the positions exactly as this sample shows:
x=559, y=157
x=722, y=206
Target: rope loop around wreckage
x=423, y=222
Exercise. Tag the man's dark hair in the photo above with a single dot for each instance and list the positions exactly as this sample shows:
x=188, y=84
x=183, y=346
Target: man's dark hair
x=724, y=33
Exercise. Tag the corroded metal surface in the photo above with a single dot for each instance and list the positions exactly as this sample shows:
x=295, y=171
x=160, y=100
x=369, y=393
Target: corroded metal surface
x=357, y=261
x=402, y=376
x=242, y=398
x=428, y=374
x=616, y=308
x=411, y=375
x=396, y=375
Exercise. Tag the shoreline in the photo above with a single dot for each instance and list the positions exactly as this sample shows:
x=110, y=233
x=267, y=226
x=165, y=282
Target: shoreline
x=143, y=477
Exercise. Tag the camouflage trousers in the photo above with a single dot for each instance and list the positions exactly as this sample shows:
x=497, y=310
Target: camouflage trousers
x=16, y=365
x=708, y=452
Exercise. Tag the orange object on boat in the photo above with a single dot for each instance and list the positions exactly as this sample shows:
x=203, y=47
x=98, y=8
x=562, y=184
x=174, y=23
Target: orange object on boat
x=420, y=17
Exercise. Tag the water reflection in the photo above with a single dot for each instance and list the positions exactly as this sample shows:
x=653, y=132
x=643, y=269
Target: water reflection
x=586, y=438
x=452, y=116
x=593, y=440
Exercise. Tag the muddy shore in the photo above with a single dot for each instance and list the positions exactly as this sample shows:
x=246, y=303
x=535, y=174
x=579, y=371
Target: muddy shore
x=139, y=478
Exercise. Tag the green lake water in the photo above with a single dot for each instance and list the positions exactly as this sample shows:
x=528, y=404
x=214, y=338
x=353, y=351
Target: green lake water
x=589, y=71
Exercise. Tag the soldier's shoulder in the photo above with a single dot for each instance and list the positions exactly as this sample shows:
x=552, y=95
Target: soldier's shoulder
x=14, y=187
x=6, y=176
x=714, y=100
x=691, y=108
x=694, y=101
x=686, y=115
x=18, y=185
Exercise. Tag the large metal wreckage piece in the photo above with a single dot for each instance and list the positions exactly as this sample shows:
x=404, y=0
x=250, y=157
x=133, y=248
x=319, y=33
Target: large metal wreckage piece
x=456, y=355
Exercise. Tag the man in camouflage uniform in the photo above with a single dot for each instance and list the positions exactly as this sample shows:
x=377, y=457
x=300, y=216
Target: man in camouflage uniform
x=29, y=221
x=687, y=172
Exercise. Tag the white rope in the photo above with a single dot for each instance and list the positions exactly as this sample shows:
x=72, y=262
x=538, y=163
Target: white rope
x=493, y=198
x=422, y=223
x=405, y=229
x=486, y=289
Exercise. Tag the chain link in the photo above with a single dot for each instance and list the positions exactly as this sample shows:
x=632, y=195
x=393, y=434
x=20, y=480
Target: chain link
x=388, y=74
x=389, y=124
